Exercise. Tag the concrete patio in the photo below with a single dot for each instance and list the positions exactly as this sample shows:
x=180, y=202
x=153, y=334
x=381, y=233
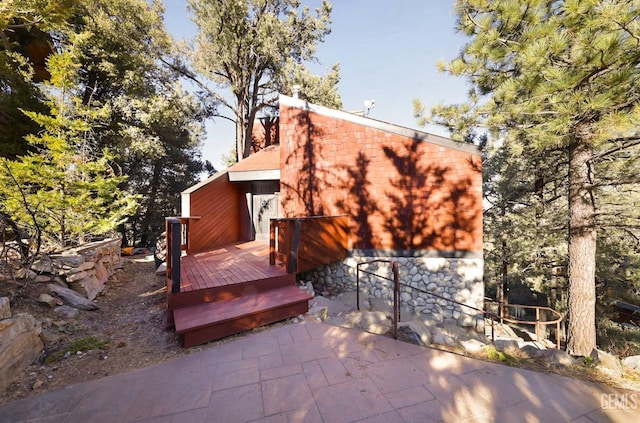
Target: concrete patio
x=313, y=372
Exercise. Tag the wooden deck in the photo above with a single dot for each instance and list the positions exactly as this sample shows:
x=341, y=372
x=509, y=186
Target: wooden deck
x=226, y=272
x=228, y=265
x=230, y=289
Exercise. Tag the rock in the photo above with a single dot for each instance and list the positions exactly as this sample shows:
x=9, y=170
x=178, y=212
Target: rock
x=530, y=351
x=307, y=287
x=557, y=357
x=473, y=346
x=416, y=331
x=43, y=278
x=102, y=274
x=20, y=345
x=607, y=361
x=89, y=287
x=25, y=274
x=508, y=346
x=72, y=261
x=38, y=383
x=75, y=277
x=48, y=300
x=162, y=269
x=5, y=308
x=67, y=311
x=629, y=326
x=59, y=281
x=43, y=265
x=51, y=337
x=312, y=318
x=72, y=298
x=632, y=362
x=321, y=312
x=442, y=338
x=87, y=265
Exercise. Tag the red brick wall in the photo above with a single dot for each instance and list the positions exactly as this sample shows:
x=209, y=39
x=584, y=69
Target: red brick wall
x=399, y=193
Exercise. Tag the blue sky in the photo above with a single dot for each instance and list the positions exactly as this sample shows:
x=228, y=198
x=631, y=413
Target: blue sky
x=387, y=51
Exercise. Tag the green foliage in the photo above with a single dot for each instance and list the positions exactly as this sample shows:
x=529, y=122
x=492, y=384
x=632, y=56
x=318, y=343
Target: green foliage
x=155, y=128
x=24, y=44
x=313, y=88
x=497, y=355
x=556, y=85
x=120, y=106
x=81, y=345
x=65, y=188
x=588, y=361
x=252, y=48
x=614, y=338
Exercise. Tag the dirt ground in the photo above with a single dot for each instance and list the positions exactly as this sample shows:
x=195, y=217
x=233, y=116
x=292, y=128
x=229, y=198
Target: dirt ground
x=129, y=324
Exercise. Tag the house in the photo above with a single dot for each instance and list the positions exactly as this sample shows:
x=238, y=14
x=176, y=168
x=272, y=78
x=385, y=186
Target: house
x=340, y=189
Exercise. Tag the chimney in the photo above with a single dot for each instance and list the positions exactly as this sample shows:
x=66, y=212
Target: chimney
x=296, y=91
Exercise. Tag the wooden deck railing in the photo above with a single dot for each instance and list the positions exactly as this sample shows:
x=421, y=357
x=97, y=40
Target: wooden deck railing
x=304, y=243
x=177, y=230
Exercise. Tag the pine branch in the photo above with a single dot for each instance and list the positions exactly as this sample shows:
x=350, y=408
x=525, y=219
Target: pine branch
x=32, y=213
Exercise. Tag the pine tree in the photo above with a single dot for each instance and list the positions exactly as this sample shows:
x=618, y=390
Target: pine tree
x=253, y=48
x=551, y=76
x=65, y=189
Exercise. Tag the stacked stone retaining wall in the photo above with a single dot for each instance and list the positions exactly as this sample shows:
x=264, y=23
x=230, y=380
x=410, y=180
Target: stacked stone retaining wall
x=457, y=279
x=85, y=269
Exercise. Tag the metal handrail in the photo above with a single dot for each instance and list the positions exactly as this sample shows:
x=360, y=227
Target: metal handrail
x=537, y=323
x=486, y=314
x=394, y=269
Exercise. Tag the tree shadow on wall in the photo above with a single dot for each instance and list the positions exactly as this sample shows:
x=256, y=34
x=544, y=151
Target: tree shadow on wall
x=314, y=175
x=361, y=206
x=430, y=206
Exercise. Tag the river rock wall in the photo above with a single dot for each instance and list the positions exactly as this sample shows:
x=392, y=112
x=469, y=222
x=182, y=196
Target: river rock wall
x=450, y=279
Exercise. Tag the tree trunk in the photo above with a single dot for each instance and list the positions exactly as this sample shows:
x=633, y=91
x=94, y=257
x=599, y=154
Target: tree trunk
x=581, y=336
x=503, y=286
x=240, y=138
x=248, y=138
x=150, y=211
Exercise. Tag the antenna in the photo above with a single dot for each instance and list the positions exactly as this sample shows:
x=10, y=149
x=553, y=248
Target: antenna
x=368, y=105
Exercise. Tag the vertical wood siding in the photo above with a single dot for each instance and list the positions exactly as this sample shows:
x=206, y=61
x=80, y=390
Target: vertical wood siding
x=221, y=206
x=322, y=241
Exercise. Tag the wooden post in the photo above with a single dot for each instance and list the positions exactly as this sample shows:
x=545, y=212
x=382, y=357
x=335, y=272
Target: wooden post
x=396, y=293
x=174, y=251
x=272, y=241
x=537, y=324
x=293, y=254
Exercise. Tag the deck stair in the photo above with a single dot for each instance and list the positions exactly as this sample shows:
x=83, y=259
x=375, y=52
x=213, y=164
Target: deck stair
x=230, y=290
x=217, y=292
x=205, y=322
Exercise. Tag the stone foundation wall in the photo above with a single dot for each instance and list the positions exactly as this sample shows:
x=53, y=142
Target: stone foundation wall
x=458, y=279
x=84, y=269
